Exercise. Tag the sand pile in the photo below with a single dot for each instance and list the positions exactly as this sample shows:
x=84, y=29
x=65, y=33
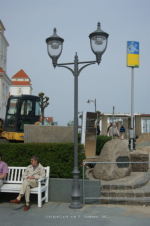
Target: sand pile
x=145, y=137
x=145, y=149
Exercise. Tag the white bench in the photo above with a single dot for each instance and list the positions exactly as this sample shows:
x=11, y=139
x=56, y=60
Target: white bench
x=13, y=182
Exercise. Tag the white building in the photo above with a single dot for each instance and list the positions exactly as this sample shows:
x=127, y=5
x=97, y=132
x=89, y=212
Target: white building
x=141, y=122
x=5, y=81
x=21, y=84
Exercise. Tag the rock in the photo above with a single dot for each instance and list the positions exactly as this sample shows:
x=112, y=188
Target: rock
x=110, y=152
x=139, y=156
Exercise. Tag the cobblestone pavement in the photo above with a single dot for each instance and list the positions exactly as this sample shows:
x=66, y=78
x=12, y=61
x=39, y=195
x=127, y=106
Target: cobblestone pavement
x=59, y=214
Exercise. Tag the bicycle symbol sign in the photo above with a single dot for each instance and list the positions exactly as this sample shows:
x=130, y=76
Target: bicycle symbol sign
x=133, y=47
x=132, y=54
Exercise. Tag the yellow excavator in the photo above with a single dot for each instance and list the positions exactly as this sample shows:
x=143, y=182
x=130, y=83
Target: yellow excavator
x=20, y=110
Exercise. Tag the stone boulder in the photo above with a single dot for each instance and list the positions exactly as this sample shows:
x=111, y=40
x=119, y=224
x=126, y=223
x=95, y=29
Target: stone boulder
x=113, y=151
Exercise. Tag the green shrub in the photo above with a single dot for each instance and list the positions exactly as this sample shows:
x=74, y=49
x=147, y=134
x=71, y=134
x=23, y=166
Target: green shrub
x=101, y=140
x=60, y=157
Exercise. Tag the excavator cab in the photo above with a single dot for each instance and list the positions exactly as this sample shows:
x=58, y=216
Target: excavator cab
x=20, y=110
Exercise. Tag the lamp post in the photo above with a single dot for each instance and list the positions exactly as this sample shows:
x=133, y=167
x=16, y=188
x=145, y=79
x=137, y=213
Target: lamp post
x=113, y=123
x=89, y=101
x=98, y=41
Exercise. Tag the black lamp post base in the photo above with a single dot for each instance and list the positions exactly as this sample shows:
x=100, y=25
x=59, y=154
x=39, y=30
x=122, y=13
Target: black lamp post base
x=75, y=205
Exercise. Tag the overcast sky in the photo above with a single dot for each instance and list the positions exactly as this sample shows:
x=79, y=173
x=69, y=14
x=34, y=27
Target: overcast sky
x=29, y=22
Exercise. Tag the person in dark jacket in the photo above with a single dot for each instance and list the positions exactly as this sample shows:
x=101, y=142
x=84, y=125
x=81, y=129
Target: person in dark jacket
x=122, y=131
x=98, y=130
x=110, y=125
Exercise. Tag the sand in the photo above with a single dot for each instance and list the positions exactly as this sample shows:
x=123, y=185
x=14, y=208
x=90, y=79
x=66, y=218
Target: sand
x=145, y=137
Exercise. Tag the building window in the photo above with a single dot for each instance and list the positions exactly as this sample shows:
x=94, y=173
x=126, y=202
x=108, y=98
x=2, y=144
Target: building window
x=145, y=125
x=19, y=90
x=6, y=91
x=3, y=88
x=16, y=79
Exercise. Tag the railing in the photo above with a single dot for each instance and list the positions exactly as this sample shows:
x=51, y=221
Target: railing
x=134, y=186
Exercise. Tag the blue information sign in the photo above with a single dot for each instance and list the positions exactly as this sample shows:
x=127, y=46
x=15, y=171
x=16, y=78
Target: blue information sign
x=132, y=47
x=132, y=54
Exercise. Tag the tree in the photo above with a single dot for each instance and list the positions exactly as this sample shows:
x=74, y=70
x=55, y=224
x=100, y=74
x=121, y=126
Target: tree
x=80, y=116
x=43, y=104
x=70, y=123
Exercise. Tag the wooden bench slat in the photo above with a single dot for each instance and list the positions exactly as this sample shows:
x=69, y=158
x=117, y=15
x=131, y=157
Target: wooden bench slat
x=15, y=174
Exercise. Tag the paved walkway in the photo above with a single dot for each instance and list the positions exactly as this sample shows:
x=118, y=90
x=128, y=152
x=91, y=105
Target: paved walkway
x=143, y=144
x=138, y=145
x=59, y=214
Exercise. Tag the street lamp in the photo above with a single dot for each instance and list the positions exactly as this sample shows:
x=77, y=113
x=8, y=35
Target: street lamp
x=89, y=101
x=98, y=41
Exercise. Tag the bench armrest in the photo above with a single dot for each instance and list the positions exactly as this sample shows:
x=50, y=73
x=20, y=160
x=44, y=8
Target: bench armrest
x=42, y=179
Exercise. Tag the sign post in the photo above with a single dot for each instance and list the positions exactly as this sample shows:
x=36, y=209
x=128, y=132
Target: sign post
x=133, y=62
x=113, y=124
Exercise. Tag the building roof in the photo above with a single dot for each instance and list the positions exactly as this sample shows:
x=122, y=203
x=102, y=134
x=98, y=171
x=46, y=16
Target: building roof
x=48, y=119
x=2, y=25
x=3, y=73
x=1, y=70
x=21, y=74
x=125, y=114
x=21, y=83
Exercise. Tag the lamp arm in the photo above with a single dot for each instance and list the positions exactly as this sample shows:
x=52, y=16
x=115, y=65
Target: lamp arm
x=89, y=63
x=92, y=100
x=67, y=68
x=85, y=66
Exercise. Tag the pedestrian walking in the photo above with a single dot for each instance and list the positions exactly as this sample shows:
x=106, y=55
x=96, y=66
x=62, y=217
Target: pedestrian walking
x=110, y=125
x=115, y=132
x=122, y=131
